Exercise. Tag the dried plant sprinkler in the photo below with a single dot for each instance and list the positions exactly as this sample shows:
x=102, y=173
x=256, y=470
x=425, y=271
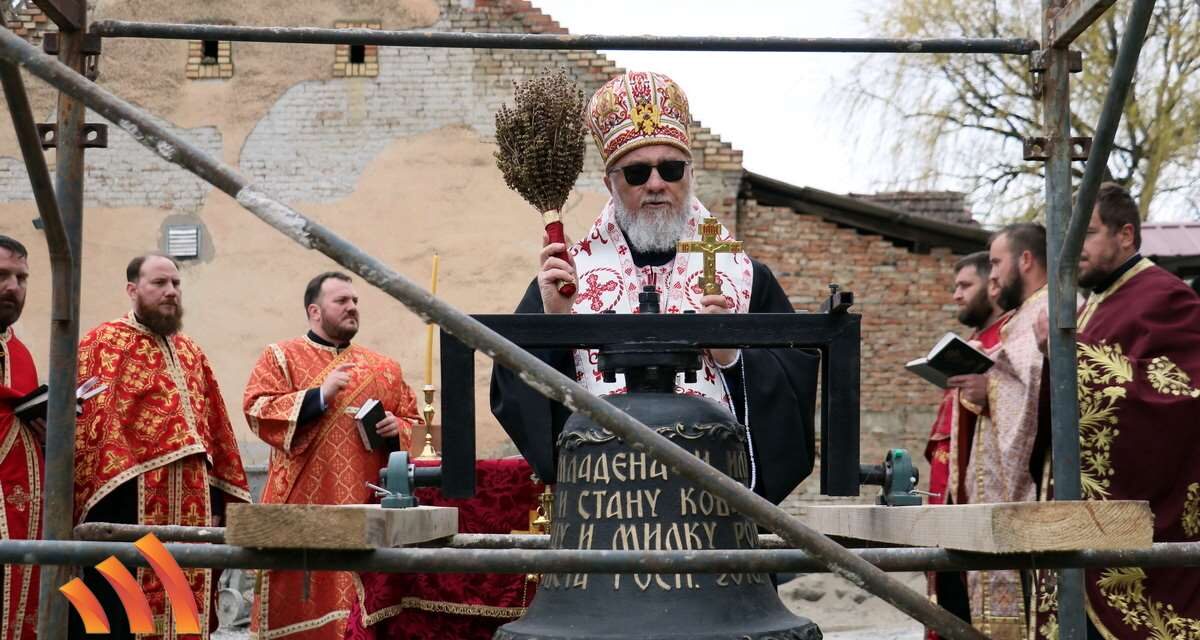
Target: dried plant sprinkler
x=541, y=142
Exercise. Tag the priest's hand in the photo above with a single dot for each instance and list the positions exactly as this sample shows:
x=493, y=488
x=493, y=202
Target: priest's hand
x=1041, y=330
x=718, y=303
x=553, y=271
x=389, y=426
x=334, y=383
x=973, y=388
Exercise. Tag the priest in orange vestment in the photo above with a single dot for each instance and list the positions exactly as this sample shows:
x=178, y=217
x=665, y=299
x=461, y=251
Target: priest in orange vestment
x=20, y=450
x=155, y=448
x=301, y=400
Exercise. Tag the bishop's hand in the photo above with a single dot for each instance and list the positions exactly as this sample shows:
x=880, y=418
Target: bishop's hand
x=718, y=303
x=553, y=271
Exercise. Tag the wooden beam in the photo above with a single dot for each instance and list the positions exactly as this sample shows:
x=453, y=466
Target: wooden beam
x=1014, y=527
x=352, y=526
x=69, y=15
x=1073, y=19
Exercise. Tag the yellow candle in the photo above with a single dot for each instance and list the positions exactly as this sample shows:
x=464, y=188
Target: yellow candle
x=429, y=329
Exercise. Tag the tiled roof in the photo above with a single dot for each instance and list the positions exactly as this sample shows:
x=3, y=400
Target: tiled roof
x=947, y=206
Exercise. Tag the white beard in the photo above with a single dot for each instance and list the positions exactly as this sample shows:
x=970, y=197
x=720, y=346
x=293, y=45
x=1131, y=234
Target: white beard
x=652, y=230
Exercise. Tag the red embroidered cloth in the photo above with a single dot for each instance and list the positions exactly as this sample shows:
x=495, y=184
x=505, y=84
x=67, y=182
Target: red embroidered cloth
x=455, y=605
x=20, y=489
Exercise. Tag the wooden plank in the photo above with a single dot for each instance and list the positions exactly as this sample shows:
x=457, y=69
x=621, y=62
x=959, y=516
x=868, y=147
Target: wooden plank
x=319, y=526
x=1013, y=527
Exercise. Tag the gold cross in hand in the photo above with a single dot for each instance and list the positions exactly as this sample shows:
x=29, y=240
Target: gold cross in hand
x=710, y=246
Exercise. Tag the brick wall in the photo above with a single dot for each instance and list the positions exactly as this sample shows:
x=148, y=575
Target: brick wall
x=31, y=24
x=904, y=299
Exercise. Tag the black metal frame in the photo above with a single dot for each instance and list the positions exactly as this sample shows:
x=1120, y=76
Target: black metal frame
x=836, y=335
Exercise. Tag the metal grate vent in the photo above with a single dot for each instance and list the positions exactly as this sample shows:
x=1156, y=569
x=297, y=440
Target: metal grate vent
x=183, y=241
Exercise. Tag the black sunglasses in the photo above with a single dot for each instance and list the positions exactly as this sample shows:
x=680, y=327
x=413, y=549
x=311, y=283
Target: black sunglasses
x=637, y=175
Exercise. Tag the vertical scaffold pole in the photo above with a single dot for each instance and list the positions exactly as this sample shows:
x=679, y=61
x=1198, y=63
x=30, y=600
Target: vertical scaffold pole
x=1064, y=401
x=64, y=339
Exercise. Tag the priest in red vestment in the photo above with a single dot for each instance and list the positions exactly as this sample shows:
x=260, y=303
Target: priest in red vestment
x=975, y=296
x=155, y=448
x=20, y=450
x=1139, y=398
x=301, y=400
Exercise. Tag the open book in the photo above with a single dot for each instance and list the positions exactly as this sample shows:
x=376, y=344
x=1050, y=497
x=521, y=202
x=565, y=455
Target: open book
x=34, y=404
x=367, y=417
x=951, y=356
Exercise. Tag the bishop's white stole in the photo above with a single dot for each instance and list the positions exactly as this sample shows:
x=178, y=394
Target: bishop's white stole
x=609, y=280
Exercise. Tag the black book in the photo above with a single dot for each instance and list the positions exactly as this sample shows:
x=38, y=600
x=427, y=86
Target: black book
x=367, y=417
x=951, y=356
x=34, y=404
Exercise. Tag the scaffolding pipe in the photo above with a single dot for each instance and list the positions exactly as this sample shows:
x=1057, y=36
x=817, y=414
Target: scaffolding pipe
x=119, y=532
x=58, y=246
x=59, y=483
x=539, y=375
x=1119, y=86
x=469, y=40
x=476, y=560
x=1064, y=400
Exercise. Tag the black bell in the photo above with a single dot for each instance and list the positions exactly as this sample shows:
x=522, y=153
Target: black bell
x=610, y=496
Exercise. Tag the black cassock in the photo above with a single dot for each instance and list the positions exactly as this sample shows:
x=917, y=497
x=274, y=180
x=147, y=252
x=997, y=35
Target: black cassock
x=782, y=386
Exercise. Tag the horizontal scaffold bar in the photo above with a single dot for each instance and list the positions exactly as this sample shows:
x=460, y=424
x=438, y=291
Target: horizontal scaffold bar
x=476, y=560
x=469, y=40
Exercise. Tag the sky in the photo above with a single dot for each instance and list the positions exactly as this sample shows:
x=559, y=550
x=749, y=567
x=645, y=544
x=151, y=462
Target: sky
x=781, y=110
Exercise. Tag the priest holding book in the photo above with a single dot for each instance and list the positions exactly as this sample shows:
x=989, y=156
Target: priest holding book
x=975, y=295
x=20, y=448
x=302, y=399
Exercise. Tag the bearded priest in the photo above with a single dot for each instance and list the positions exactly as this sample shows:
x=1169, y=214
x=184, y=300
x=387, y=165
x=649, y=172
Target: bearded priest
x=156, y=448
x=1139, y=395
x=301, y=399
x=639, y=121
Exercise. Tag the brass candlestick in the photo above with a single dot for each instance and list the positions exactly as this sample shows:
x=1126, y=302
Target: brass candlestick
x=428, y=452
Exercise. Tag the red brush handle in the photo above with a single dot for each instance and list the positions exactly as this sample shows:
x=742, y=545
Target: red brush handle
x=554, y=230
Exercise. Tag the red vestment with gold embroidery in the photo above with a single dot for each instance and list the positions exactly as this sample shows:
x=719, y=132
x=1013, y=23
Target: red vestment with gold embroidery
x=162, y=424
x=20, y=489
x=954, y=424
x=324, y=462
x=1139, y=437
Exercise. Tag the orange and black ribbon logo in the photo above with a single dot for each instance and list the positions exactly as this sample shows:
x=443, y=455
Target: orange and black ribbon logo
x=137, y=609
